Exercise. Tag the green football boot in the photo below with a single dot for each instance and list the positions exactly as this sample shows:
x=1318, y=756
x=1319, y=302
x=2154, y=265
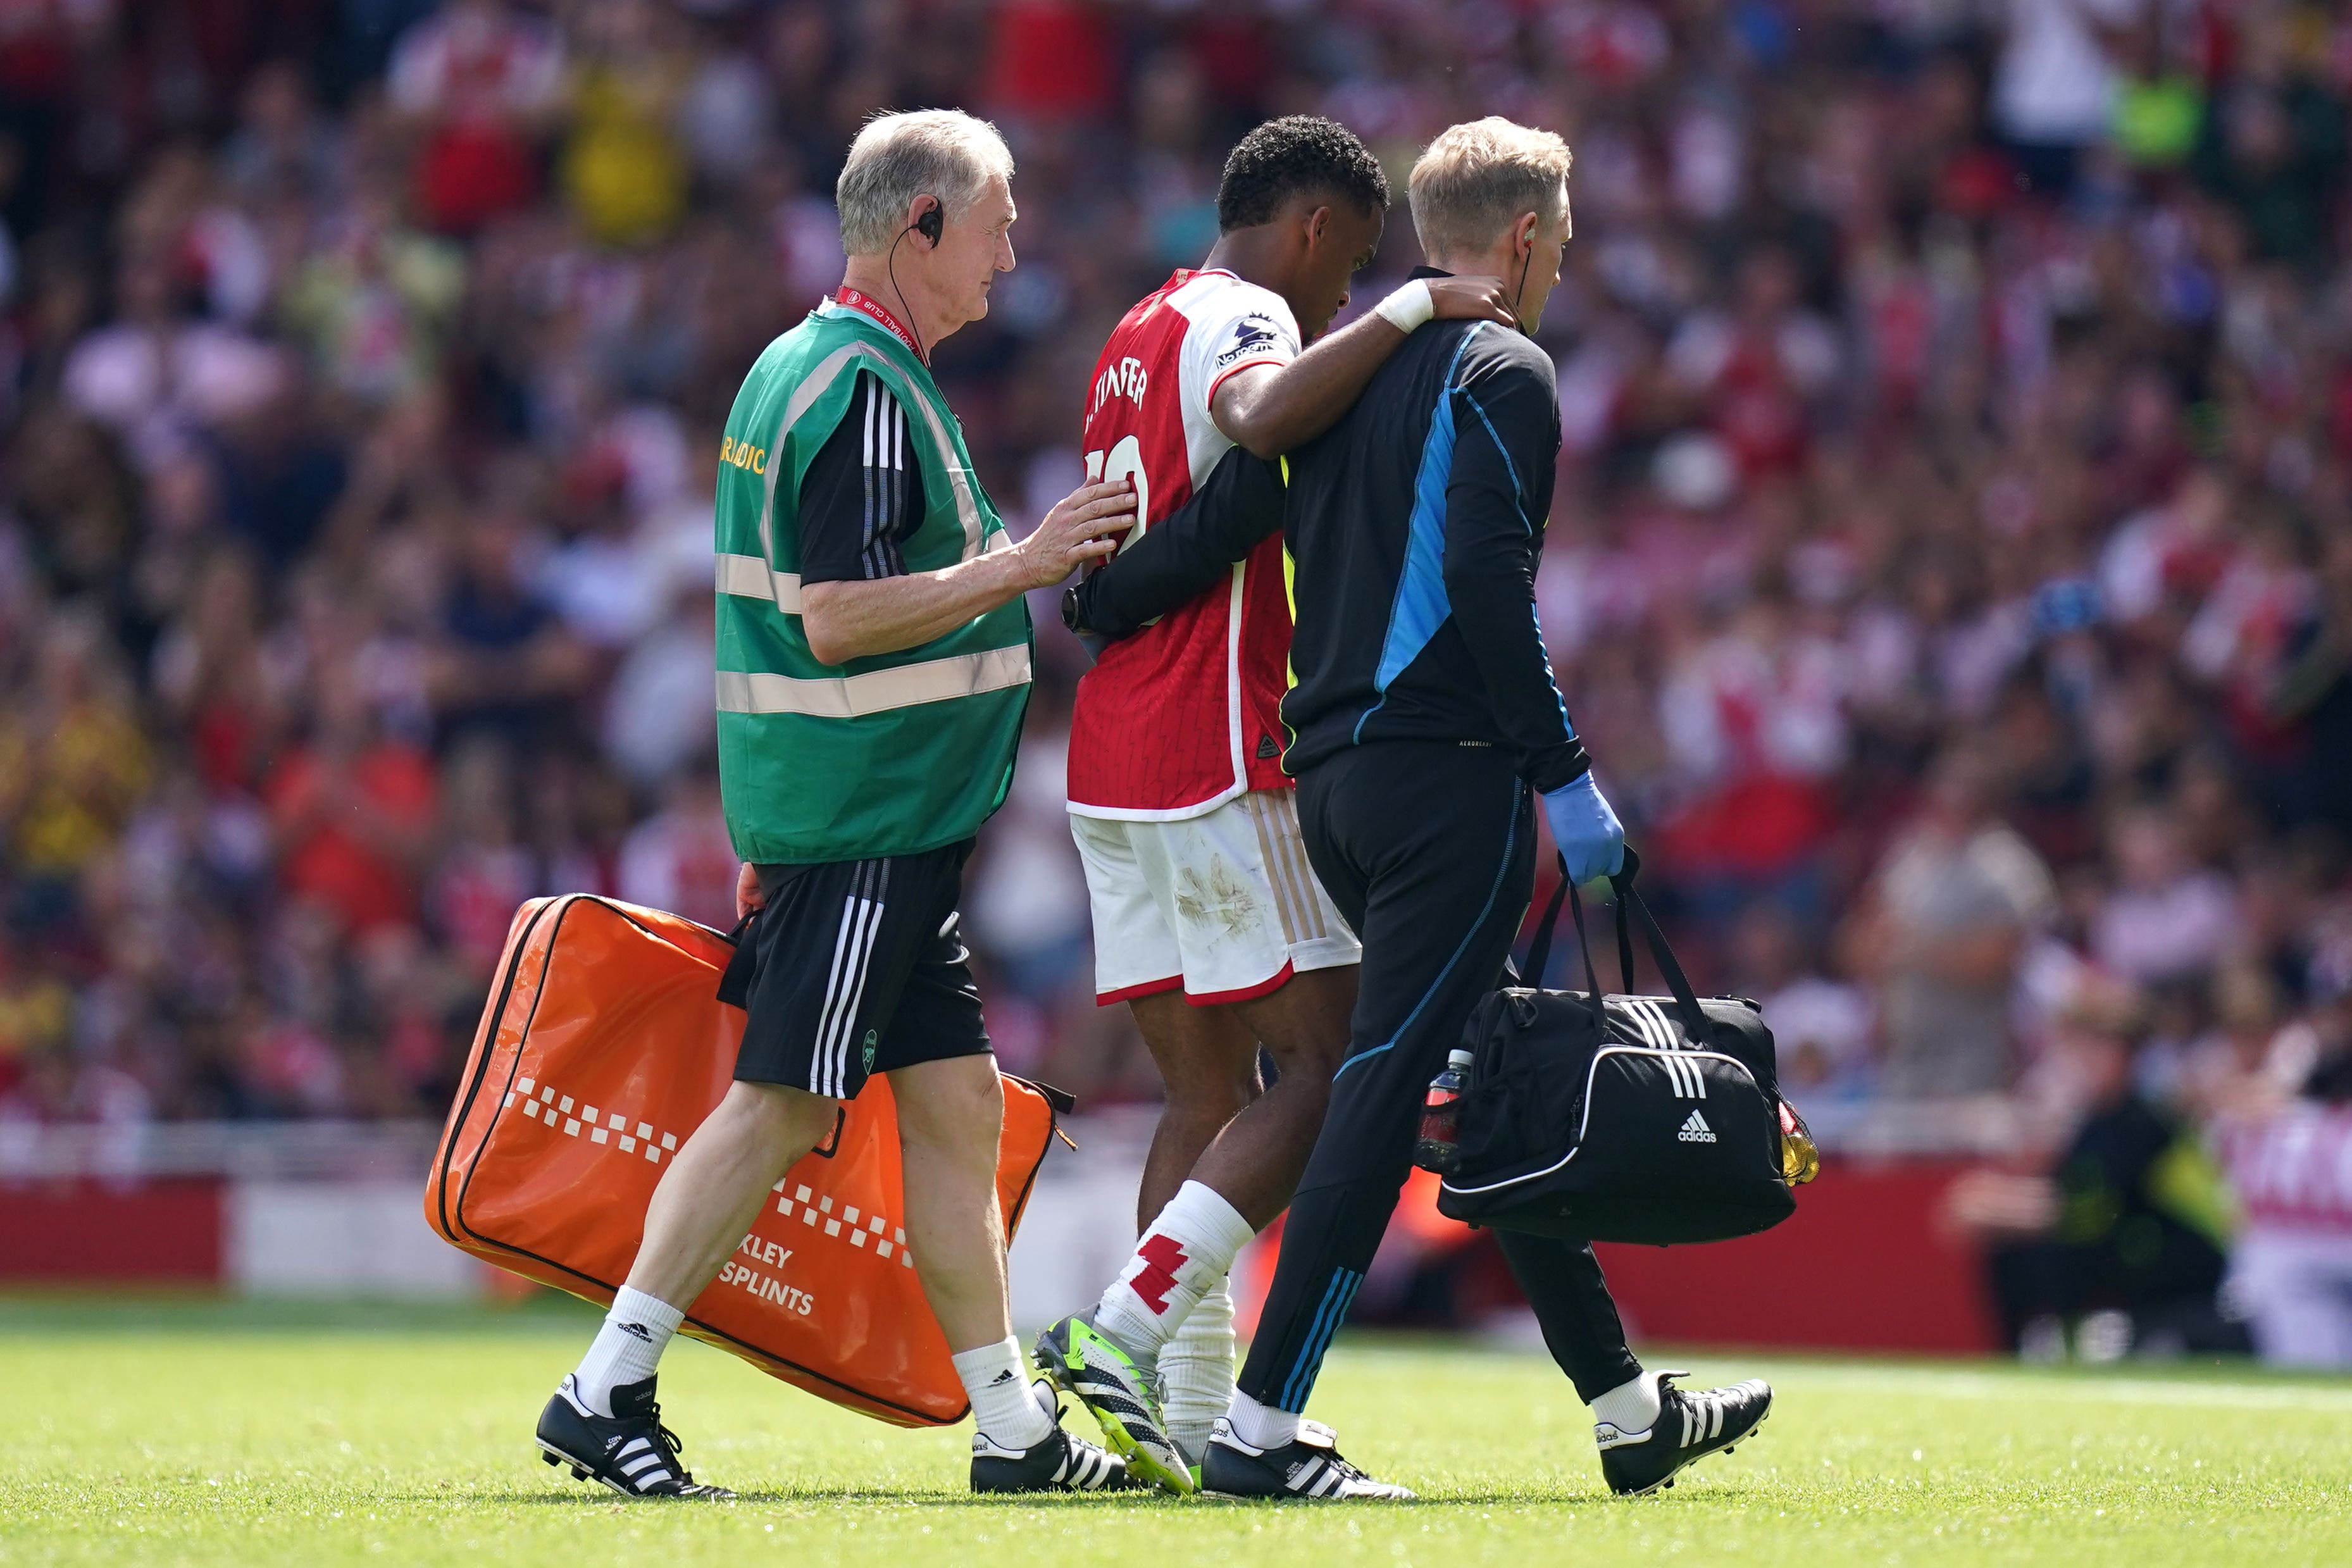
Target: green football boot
x=1094, y=1371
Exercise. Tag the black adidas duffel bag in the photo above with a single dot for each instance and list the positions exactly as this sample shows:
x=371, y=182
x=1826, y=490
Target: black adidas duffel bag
x=1618, y=1118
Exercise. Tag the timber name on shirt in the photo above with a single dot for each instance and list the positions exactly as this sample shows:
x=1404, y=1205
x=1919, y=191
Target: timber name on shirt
x=1186, y=714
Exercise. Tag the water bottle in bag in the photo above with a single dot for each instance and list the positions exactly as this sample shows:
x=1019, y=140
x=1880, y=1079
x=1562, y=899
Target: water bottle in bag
x=1441, y=1112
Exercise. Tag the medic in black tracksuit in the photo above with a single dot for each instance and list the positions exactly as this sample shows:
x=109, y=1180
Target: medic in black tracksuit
x=1423, y=716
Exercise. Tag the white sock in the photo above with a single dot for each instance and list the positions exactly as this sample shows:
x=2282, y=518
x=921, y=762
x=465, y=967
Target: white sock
x=1631, y=1406
x=1258, y=1426
x=626, y=1349
x=1187, y=1251
x=1196, y=1371
x=996, y=1380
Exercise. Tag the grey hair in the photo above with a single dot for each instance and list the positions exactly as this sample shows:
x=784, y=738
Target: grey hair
x=1476, y=179
x=941, y=153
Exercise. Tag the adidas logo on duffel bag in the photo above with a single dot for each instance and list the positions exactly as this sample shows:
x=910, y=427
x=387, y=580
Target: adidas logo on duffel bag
x=1696, y=1130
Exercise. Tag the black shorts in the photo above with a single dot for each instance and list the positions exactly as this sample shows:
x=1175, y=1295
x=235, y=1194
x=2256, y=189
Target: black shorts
x=855, y=967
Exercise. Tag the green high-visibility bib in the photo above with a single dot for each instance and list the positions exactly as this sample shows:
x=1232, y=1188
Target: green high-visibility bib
x=890, y=754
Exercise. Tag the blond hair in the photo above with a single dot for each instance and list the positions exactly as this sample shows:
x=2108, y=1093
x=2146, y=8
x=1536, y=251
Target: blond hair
x=1476, y=179
x=941, y=153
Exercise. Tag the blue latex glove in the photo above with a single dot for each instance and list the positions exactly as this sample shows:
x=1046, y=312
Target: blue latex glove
x=1586, y=830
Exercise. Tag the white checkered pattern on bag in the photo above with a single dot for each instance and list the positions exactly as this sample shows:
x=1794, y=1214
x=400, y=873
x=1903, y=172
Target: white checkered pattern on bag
x=541, y=1102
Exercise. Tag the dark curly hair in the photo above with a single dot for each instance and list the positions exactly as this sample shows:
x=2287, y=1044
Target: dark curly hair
x=1299, y=154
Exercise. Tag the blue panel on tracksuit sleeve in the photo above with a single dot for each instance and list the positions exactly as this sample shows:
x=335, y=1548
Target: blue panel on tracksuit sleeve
x=1421, y=605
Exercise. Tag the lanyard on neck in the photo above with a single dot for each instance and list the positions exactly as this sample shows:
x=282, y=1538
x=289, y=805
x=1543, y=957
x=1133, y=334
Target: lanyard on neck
x=858, y=299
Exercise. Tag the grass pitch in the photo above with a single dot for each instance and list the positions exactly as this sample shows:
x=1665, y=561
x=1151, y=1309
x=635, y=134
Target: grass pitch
x=225, y=1435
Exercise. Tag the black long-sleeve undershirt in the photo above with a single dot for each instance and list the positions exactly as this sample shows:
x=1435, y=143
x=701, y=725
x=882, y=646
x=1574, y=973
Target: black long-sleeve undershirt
x=1185, y=553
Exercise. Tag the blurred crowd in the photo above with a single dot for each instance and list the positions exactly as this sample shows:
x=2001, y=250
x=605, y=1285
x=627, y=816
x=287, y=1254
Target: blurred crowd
x=1950, y=570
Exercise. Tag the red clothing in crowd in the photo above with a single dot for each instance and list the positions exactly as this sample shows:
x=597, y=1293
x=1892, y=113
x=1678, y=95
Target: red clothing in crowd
x=334, y=858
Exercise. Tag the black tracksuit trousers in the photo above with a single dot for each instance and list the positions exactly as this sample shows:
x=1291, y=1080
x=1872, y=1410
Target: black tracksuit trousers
x=1427, y=848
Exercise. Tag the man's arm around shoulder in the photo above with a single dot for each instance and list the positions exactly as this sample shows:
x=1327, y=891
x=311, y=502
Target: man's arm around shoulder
x=1270, y=409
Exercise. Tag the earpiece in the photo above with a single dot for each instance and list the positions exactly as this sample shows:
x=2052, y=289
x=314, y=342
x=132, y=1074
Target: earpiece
x=1524, y=262
x=929, y=226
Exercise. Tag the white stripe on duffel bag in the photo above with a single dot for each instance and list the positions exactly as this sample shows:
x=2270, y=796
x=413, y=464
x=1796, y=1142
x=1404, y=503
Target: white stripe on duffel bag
x=1687, y=1057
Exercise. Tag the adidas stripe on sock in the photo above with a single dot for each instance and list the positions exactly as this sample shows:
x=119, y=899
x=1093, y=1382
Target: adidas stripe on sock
x=626, y=1349
x=996, y=1380
x=1184, y=1254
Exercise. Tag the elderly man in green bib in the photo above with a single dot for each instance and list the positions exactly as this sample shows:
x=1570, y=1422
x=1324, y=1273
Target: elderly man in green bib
x=873, y=662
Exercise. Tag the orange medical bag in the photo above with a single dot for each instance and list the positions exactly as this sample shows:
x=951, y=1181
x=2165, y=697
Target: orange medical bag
x=602, y=1048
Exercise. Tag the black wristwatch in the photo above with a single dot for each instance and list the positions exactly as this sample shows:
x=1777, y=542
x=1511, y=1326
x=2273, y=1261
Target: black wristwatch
x=1073, y=615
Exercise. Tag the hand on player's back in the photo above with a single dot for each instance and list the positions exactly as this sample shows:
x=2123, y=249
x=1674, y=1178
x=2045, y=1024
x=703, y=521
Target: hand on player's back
x=1085, y=525
x=1471, y=299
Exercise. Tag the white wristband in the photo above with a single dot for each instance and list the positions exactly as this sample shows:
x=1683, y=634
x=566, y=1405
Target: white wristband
x=1409, y=308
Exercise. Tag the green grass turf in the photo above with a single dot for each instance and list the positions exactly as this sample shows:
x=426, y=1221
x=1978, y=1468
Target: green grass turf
x=202, y=1433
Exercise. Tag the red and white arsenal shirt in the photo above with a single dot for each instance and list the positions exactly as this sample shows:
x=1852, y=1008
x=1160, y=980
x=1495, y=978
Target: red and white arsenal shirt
x=1185, y=714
